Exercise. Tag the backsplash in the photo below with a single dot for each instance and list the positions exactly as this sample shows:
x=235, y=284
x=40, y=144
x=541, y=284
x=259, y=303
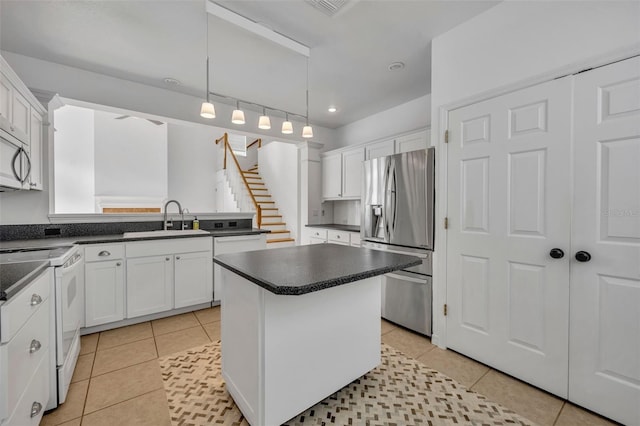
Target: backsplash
x=346, y=212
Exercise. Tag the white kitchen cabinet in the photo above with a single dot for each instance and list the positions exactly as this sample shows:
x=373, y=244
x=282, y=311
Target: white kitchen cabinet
x=316, y=235
x=332, y=176
x=235, y=244
x=35, y=177
x=25, y=337
x=342, y=174
x=193, y=283
x=168, y=274
x=6, y=89
x=104, y=292
x=379, y=149
x=413, y=141
x=315, y=240
x=149, y=285
x=352, y=173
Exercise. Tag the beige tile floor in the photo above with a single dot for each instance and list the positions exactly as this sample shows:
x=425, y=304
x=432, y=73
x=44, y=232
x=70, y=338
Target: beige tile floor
x=117, y=380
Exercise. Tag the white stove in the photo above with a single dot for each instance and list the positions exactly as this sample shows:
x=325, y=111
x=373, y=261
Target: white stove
x=67, y=262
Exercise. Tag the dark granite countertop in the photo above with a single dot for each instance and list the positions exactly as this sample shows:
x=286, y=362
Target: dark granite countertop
x=15, y=276
x=305, y=269
x=119, y=238
x=349, y=228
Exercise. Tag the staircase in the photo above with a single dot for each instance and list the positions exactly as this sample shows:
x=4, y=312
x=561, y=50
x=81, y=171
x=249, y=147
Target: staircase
x=271, y=217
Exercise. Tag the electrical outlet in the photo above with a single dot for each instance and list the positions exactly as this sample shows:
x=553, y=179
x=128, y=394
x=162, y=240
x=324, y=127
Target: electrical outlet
x=218, y=225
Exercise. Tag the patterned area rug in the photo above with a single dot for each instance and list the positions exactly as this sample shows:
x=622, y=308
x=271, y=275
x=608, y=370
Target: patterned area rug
x=400, y=391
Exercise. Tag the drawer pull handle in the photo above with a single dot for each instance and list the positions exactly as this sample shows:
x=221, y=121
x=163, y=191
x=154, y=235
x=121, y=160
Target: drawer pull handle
x=104, y=253
x=118, y=264
x=35, y=346
x=178, y=257
x=36, y=300
x=167, y=259
x=36, y=407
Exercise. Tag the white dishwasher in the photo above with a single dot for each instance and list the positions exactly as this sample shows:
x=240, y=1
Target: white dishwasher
x=235, y=244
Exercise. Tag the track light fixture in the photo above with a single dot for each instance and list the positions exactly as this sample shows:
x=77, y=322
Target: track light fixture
x=237, y=117
x=264, y=122
x=287, y=126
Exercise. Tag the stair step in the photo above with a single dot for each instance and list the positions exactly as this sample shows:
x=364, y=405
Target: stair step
x=280, y=240
x=265, y=202
x=247, y=172
x=280, y=231
x=274, y=224
x=258, y=189
x=256, y=183
x=269, y=208
x=253, y=169
x=262, y=195
x=254, y=177
x=271, y=215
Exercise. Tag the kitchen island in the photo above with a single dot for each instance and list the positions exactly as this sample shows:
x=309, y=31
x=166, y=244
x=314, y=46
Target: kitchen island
x=299, y=323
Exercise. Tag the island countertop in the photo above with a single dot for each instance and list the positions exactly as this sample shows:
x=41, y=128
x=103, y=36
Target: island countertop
x=305, y=269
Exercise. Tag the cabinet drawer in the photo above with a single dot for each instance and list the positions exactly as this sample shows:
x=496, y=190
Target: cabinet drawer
x=98, y=252
x=318, y=233
x=25, y=352
x=169, y=246
x=23, y=305
x=314, y=240
x=338, y=236
x=30, y=408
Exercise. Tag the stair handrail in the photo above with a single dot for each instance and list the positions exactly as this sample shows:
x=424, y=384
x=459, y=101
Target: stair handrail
x=257, y=141
x=227, y=147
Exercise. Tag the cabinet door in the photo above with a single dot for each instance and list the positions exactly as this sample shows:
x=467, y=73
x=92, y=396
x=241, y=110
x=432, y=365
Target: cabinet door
x=104, y=292
x=238, y=244
x=379, y=149
x=193, y=279
x=352, y=173
x=149, y=285
x=20, y=115
x=6, y=90
x=332, y=176
x=35, y=177
x=413, y=142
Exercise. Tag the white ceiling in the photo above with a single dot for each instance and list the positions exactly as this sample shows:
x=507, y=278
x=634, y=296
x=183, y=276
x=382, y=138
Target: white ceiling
x=146, y=41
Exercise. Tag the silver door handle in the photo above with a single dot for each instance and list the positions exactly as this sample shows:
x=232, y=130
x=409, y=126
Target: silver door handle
x=104, y=253
x=36, y=299
x=26, y=176
x=35, y=346
x=36, y=407
x=178, y=257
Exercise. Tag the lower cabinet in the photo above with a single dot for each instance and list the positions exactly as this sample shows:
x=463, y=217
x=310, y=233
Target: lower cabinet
x=104, y=292
x=193, y=283
x=149, y=285
x=168, y=274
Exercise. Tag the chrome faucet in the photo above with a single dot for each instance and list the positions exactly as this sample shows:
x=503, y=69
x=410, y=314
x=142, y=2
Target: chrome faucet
x=169, y=223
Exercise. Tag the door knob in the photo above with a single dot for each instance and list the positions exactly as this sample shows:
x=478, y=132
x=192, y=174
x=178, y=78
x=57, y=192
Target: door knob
x=583, y=256
x=556, y=253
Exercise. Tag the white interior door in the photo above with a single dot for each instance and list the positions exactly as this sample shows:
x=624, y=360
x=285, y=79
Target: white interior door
x=605, y=291
x=508, y=206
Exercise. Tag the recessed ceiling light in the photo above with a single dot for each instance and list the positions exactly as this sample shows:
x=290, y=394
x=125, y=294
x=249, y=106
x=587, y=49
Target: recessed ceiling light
x=396, y=66
x=171, y=81
x=332, y=109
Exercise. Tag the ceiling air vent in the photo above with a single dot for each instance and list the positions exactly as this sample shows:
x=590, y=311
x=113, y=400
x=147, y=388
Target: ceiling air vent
x=328, y=7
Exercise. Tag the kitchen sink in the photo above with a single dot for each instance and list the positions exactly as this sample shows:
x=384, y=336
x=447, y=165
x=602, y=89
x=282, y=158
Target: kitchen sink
x=164, y=233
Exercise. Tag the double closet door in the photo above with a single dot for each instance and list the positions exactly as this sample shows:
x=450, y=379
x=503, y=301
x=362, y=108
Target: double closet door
x=543, y=247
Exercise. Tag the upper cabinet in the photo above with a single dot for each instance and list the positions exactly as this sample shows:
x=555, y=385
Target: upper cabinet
x=342, y=174
x=21, y=121
x=379, y=149
x=413, y=141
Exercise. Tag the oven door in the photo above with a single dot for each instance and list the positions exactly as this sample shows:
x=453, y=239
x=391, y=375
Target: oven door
x=69, y=311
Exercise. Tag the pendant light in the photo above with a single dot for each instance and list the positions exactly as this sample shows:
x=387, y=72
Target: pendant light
x=207, y=110
x=287, y=126
x=264, y=122
x=307, y=131
x=237, y=117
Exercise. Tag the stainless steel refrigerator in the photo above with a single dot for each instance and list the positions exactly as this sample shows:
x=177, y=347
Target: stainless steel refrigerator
x=398, y=201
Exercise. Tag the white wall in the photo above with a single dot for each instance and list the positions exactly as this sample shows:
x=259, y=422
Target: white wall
x=403, y=118
x=278, y=162
x=75, y=150
x=130, y=157
x=74, y=83
x=518, y=43
x=192, y=166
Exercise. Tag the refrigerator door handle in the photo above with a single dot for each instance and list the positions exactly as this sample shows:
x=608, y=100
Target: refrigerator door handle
x=387, y=203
